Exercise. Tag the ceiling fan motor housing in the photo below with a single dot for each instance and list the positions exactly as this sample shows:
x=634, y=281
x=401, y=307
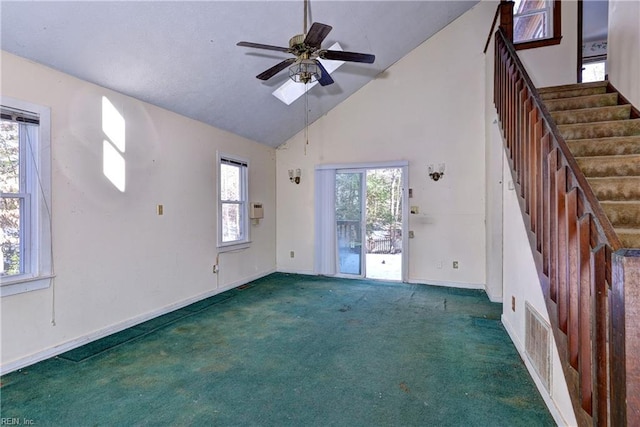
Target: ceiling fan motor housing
x=300, y=48
x=296, y=40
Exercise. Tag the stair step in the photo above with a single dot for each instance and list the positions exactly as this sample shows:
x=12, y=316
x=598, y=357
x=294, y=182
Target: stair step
x=589, y=101
x=591, y=115
x=572, y=86
x=630, y=237
x=571, y=93
x=624, y=214
x=617, y=145
x=600, y=129
x=601, y=166
x=616, y=188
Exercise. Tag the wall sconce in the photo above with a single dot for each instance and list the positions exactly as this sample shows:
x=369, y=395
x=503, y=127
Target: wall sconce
x=294, y=176
x=436, y=175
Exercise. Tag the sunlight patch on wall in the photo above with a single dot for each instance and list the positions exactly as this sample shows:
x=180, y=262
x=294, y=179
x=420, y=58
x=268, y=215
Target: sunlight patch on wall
x=113, y=148
x=113, y=165
x=113, y=124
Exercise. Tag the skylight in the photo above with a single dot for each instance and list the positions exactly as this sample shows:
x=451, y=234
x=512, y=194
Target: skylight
x=290, y=91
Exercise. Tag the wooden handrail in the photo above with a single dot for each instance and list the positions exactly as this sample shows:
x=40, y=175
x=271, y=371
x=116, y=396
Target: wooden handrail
x=595, y=207
x=493, y=26
x=586, y=278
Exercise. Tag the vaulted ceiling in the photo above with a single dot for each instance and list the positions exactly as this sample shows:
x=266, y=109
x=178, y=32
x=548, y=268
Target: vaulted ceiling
x=182, y=55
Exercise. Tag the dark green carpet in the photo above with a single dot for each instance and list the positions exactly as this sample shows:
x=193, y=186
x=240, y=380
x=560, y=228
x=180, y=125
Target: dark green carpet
x=294, y=350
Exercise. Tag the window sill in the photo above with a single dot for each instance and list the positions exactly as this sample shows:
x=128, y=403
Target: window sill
x=228, y=247
x=537, y=43
x=23, y=284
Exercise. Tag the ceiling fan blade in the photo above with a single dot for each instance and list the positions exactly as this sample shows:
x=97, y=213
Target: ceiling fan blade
x=266, y=75
x=325, y=77
x=339, y=55
x=264, y=46
x=317, y=33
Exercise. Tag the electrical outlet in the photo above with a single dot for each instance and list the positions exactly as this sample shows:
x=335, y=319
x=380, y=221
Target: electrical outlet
x=455, y=264
x=215, y=268
x=411, y=235
x=292, y=254
x=439, y=264
x=411, y=193
x=513, y=303
x=414, y=210
x=160, y=209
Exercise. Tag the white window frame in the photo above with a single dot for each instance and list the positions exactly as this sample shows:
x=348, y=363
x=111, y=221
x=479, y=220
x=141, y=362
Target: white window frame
x=245, y=240
x=37, y=240
x=546, y=10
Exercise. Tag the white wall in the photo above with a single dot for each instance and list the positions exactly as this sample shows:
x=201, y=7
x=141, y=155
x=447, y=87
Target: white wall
x=558, y=64
x=521, y=282
x=623, y=55
x=493, y=180
x=116, y=261
x=428, y=108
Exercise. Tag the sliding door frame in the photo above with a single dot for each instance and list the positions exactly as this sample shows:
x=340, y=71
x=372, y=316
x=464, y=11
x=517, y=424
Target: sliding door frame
x=326, y=248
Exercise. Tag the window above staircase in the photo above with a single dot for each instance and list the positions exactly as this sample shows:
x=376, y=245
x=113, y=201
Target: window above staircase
x=536, y=23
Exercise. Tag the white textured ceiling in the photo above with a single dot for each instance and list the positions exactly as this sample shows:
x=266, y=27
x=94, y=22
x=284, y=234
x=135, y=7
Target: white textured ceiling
x=182, y=55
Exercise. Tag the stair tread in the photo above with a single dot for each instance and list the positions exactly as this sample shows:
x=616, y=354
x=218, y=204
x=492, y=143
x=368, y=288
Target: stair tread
x=591, y=114
x=635, y=157
x=573, y=93
x=598, y=100
x=615, y=139
x=621, y=202
x=606, y=166
x=613, y=122
x=609, y=128
x=614, y=145
x=597, y=179
x=630, y=237
x=620, y=230
x=560, y=88
x=615, y=188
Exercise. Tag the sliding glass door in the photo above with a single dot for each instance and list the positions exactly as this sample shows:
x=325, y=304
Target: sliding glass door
x=350, y=209
x=360, y=220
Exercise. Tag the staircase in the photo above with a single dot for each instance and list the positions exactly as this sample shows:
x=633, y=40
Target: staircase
x=602, y=131
x=574, y=155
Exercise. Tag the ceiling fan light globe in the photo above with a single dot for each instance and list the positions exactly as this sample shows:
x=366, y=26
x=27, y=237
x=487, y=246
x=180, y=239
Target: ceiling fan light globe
x=305, y=71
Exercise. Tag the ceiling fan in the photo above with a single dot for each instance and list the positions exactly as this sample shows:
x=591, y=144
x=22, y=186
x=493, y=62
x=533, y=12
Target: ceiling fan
x=306, y=47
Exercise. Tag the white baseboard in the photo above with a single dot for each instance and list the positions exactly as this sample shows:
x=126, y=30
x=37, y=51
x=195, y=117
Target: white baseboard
x=85, y=339
x=548, y=400
x=461, y=285
x=304, y=272
x=495, y=298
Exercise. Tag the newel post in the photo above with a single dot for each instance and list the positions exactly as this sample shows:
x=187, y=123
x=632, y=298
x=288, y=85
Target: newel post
x=625, y=338
x=506, y=18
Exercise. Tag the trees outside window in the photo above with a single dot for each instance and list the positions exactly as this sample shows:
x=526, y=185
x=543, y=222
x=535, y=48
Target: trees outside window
x=25, y=203
x=233, y=223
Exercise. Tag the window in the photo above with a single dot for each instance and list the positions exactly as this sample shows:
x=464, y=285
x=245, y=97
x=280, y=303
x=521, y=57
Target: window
x=536, y=23
x=593, y=71
x=25, y=186
x=233, y=215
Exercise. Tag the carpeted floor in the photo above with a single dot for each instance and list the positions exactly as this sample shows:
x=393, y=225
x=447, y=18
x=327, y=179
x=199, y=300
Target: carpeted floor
x=291, y=350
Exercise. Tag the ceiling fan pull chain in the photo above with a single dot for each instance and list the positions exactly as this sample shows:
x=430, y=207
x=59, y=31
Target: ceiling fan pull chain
x=306, y=118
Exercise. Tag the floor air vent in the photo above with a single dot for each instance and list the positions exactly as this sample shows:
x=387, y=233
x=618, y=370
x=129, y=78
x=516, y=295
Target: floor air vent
x=538, y=344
